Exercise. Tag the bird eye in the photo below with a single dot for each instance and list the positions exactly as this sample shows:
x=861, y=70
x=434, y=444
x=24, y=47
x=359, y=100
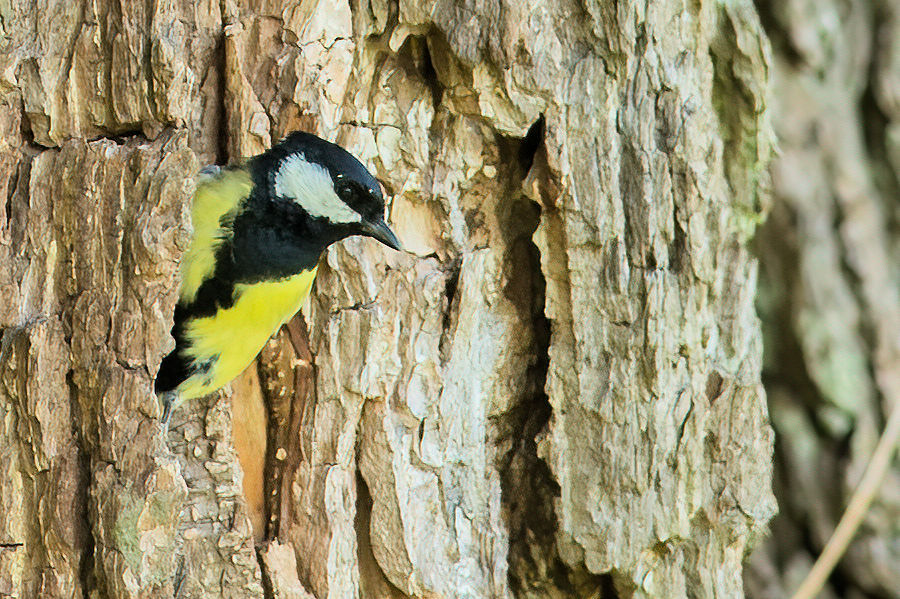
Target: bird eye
x=345, y=192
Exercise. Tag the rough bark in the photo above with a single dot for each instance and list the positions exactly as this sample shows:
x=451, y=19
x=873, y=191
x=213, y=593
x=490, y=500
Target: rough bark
x=555, y=392
x=830, y=287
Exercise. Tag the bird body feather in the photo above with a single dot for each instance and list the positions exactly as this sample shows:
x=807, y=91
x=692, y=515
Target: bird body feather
x=230, y=339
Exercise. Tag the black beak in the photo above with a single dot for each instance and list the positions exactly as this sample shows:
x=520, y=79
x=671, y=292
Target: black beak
x=380, y=231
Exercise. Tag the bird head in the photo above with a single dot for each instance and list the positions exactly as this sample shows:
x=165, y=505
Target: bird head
x=331, y=186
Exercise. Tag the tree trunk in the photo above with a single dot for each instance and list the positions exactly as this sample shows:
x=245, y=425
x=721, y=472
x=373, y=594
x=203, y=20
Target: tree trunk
x=830, y=284
x=554, y=393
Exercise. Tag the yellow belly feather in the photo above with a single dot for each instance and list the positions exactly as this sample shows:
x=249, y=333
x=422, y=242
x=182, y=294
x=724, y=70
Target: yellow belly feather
x=237, y=334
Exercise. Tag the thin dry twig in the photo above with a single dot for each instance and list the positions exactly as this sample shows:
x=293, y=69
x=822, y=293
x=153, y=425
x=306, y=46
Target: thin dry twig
x=856, y=510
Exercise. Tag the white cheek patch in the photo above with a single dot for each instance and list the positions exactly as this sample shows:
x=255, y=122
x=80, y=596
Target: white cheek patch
x=310, y=185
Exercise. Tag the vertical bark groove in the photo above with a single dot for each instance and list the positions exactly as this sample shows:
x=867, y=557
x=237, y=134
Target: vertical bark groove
x=83, y=494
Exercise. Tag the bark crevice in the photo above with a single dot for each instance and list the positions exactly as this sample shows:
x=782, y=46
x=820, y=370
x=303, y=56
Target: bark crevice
x=373, y=582
x=86, y=572
x=528, y=487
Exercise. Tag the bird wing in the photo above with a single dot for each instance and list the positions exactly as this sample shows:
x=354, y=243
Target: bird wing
x=218, y=197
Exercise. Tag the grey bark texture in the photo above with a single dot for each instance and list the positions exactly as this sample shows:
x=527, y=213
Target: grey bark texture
x=555, y=392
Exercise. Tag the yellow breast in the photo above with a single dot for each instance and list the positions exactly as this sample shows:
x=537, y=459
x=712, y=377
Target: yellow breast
x=230, y=339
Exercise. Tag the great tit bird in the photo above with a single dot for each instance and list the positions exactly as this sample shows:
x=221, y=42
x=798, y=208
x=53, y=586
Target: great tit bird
x=259, y=230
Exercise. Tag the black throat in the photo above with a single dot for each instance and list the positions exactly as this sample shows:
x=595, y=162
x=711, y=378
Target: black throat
x=272, y=238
